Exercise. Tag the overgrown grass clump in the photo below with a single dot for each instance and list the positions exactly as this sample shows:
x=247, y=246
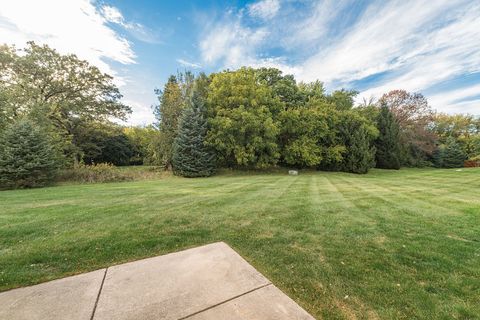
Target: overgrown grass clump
x=105, y=172
x=102, y=172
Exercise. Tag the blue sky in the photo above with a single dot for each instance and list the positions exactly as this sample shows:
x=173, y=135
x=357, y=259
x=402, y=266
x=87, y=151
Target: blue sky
x=431, y=47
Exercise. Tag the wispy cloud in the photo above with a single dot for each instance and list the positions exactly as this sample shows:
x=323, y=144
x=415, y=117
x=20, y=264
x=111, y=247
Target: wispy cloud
x=382, y=40
x=264, y=9
x=231, y=43
x=137, y=30
x=418, y=44
x=463, y=100
x=188, y=64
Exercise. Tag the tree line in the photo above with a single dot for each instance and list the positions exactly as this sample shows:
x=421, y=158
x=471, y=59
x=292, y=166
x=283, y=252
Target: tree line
x=57, y=111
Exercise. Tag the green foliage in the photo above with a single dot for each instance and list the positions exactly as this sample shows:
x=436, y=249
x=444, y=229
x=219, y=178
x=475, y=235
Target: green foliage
x=283, y=86
x=243, y=120
x=250, y=118
x=168, y=113
x=464, y=128
x=387, y=144
x=27, y=158
x=312, y=93
x=101, y=143
x=437, y=156
x=342, y=99
x=453, y=154
x=191, y=156
x=358, y=135
x=142, y=140
x=56, y=91
x=117, y=150
x=475, y=146
x=308, y=138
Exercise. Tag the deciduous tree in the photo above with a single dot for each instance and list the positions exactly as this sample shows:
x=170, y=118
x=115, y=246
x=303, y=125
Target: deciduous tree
x=168, y=113
x=56, y=90
x=243, y=119
x=415, y=117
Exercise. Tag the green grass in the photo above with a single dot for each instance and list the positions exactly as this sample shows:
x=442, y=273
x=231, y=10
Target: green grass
x=390, y=245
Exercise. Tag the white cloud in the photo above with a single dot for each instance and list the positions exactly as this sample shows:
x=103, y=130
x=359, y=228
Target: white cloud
x=457, y=101
x=264, y=9
x=231, y=43
x=136, y=29
x=312, y=29
x=387, y=37
x=79, y=27
x=142, y=114
x=421, y=44
x=112, y=14
x=416, y=44
x=73, y=26
x=233, y=46
x=188, y=64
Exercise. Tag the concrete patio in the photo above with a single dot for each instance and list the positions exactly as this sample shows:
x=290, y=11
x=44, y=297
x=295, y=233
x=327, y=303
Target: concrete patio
x=208, y=282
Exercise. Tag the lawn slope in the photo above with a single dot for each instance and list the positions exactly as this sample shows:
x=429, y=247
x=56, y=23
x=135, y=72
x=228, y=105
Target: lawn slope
x=390, y=245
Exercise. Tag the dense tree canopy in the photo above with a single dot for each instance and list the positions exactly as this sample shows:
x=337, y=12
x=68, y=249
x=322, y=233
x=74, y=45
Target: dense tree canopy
x=59, y=92
x=464, y=128
x=308, y=137
x=243, y=119
x=246, y=118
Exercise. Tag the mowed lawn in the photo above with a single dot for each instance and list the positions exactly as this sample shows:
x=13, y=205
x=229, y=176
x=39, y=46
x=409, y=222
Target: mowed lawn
x=387, y=245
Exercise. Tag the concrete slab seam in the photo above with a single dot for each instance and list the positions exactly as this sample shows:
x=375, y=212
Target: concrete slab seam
x=99, y=293
x=223, y=302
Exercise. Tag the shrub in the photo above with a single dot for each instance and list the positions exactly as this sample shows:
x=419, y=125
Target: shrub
x=102, y=172
x=27, y=158
x=473, y=162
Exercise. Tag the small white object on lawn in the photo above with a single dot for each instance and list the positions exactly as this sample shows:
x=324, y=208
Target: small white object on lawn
x=293, y=172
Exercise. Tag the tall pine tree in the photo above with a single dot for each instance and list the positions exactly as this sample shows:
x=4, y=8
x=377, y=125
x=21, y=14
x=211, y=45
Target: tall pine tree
x=191, y=157
x=387, y=155
x=27, y=159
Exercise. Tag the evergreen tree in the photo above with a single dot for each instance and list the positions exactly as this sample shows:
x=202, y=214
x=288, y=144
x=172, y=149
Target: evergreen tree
x=27, y=158
x=438, y=156
x=358, y=137
x=453, y=154
x=191, y=157
x=388, y=142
